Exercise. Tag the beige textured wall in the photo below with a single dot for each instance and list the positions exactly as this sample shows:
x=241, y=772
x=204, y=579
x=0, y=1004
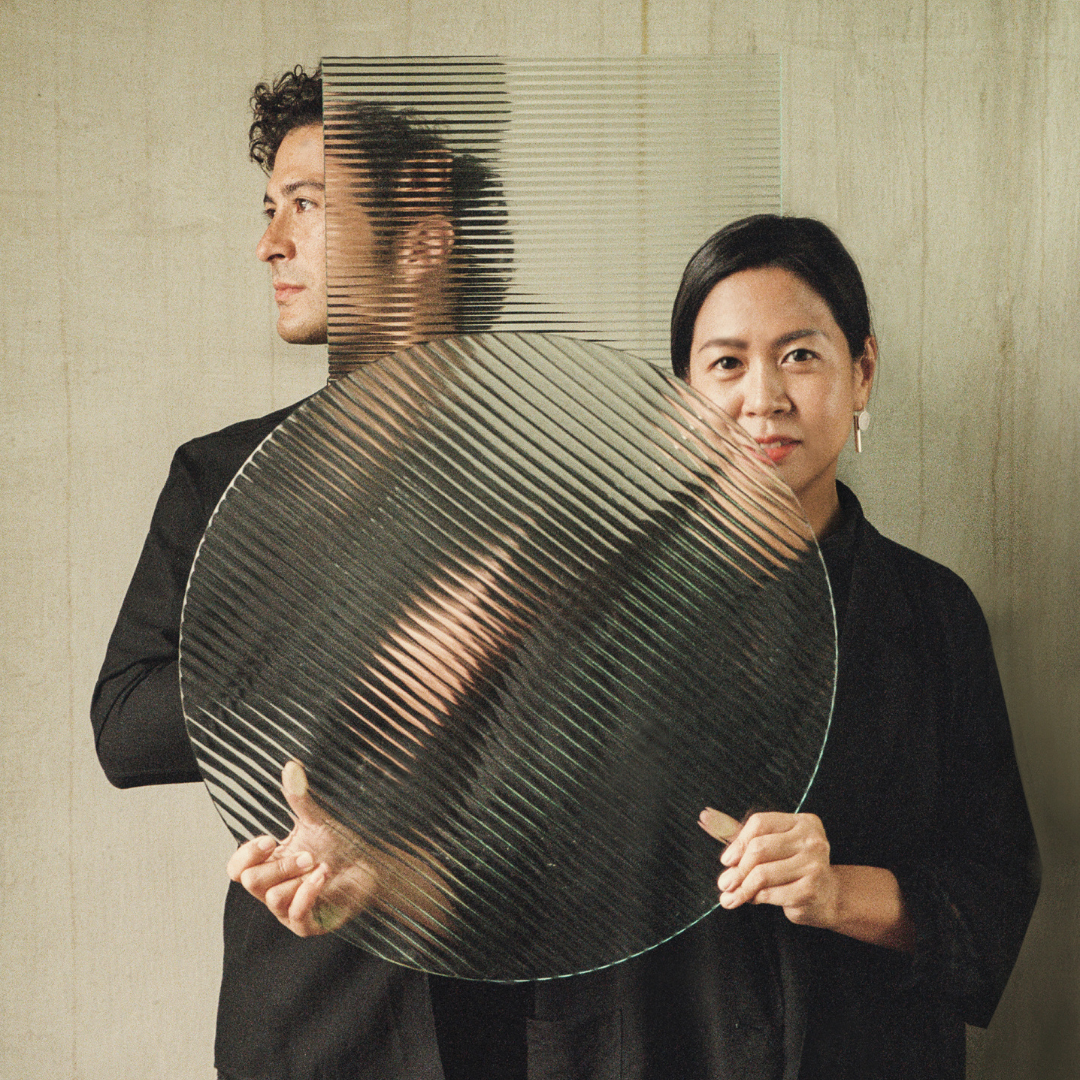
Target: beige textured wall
x=941, y=138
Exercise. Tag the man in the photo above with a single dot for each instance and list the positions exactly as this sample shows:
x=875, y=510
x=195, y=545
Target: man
x=288, y=1007
x=710, y=1003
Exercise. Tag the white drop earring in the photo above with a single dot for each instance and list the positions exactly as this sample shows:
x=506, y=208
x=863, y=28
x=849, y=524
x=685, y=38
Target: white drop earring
x=861, y=422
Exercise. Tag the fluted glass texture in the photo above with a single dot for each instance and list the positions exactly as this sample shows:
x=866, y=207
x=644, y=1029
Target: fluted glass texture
x=519, y=607
x=574, y=190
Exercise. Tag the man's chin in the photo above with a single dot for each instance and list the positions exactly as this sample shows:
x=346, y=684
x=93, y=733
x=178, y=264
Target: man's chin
x=301, y=334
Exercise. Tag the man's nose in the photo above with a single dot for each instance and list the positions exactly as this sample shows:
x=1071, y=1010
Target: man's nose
x=276, y=242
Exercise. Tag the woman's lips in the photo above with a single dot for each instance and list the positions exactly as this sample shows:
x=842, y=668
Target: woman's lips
x=776, y=449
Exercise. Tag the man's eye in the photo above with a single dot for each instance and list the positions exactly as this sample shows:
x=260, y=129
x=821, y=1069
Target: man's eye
x=800, y=355
x=304, y=204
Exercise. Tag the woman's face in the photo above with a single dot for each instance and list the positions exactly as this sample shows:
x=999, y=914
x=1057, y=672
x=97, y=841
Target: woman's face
x=768, y=352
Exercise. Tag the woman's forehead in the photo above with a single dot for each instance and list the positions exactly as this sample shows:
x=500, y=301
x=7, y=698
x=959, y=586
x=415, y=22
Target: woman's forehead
x=768, y=301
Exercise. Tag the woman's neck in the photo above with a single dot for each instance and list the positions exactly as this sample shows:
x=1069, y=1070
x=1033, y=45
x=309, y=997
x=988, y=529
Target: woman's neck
x=821, y=505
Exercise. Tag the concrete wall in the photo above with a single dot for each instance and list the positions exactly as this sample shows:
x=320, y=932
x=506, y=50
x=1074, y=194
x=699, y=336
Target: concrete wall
x=939, y=137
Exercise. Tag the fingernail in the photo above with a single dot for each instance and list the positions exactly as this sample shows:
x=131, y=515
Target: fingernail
x=304, y=861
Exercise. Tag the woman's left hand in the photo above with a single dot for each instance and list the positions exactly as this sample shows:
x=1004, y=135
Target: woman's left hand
x=780, y=859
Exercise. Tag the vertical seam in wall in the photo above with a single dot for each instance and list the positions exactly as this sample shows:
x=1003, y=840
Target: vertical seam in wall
x=783, y=171
x=64, y=263
x=1026, y=498
x=924, y=264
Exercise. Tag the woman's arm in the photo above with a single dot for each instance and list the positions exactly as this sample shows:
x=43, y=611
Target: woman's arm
x=783, y=859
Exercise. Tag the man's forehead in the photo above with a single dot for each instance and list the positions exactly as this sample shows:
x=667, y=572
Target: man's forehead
x=298, y=162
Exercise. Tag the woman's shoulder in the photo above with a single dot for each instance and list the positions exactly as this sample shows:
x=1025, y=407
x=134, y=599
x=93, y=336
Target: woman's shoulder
x=932, y=593
x=886, y=556
x=914, y=568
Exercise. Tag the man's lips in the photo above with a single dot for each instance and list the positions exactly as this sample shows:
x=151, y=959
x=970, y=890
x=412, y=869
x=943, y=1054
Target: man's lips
x=284, y=291
x=777, y=447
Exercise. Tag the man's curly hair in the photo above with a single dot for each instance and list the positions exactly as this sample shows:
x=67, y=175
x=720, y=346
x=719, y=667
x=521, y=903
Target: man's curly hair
x=293, y=100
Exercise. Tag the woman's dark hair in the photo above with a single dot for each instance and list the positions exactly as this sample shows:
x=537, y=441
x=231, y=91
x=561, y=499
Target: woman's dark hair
x=804, y=247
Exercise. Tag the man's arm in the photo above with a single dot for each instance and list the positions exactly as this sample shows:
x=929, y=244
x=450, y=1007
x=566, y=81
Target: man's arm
x=138, y=720
x=139, y=728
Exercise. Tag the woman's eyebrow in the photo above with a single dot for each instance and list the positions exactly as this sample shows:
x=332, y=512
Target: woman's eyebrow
x=795, y=335
x=785, y=339
x=726, y=342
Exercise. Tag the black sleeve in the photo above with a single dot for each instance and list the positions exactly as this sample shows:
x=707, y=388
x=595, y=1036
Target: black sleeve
x=971, y=895
x=138, y=721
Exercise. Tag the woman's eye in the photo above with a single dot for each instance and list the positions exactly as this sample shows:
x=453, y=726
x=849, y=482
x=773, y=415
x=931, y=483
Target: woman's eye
x=727, y=363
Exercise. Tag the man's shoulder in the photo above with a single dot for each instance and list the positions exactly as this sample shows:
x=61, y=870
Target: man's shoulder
x=211, y=461
x=245, y=433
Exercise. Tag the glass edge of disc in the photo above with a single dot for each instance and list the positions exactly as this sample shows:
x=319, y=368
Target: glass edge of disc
x=397, y=962
x=835, y=679
x=187, y=589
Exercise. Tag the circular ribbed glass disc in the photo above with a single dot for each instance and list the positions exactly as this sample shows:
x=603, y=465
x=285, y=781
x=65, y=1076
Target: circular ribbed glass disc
x=520, y=606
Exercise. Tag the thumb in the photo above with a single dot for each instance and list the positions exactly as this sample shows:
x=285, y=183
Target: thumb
x=294, y=787
x=719, y=826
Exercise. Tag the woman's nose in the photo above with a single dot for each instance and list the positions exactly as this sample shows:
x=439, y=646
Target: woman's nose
x=764, y=392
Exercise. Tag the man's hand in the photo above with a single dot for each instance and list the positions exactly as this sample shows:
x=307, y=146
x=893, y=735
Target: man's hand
x=783, y=859
x=307, y=881
x=322, y=874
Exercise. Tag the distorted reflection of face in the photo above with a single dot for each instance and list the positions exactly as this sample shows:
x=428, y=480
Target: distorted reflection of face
x=358, y=262
x=388, y=267
x=768, y=352
x=294, y=243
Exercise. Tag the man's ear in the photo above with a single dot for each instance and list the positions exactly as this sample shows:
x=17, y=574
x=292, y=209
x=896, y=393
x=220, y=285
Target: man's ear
x=424, y=247
x=423, y=184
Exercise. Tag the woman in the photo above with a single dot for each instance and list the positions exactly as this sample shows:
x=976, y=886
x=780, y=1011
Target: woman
x=858, y=936
x=911, y=876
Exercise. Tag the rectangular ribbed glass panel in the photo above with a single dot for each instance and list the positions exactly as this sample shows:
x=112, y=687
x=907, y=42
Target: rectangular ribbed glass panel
x=555, y=195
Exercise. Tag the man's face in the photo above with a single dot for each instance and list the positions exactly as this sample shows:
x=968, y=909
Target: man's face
x=360, y=267
x=388, y=295
x=294, y=243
